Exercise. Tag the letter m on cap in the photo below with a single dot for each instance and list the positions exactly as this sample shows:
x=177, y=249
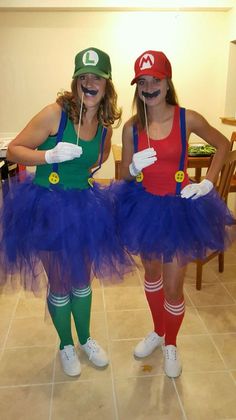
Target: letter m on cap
x=146, y=61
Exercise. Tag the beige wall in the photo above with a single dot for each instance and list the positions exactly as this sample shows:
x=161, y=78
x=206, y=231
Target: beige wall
x=230, y=100
x=232, y=26
x=37, y=50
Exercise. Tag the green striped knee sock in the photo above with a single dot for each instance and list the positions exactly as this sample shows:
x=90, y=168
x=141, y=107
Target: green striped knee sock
x=60, y=310
x=81, y=300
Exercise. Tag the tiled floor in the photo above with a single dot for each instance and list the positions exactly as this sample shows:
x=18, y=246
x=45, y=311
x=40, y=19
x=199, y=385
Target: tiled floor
x=33, y=386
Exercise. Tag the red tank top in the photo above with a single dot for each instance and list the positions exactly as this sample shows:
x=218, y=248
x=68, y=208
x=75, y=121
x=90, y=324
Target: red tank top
x=159, y=178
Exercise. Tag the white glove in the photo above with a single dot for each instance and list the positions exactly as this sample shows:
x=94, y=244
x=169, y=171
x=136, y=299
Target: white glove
x=63, y=151
x=197, y=190
x=141, y=160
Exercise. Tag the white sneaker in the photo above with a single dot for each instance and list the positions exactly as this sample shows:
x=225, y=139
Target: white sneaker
x=172, y=364
x=95, y=353
x=69, y=360
x=148, y=345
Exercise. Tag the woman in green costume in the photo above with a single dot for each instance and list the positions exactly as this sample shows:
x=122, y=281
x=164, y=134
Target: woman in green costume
x=61, y=216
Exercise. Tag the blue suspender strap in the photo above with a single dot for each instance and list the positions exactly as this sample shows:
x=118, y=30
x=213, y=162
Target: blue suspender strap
x=135, y=138
x=104, y=133
x=184, y=145
x=60, y=135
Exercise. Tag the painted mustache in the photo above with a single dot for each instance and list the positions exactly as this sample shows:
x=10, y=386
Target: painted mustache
x=151, y=95
x=89, y=91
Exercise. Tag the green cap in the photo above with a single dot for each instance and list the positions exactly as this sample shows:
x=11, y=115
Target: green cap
x=92, y=61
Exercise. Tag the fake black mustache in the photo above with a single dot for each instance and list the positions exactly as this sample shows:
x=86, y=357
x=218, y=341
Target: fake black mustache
x=151, y=95
x=89, y=91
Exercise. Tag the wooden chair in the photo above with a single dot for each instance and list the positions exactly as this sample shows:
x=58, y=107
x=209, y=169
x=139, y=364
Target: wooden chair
x=223, y=188
x=233, y=180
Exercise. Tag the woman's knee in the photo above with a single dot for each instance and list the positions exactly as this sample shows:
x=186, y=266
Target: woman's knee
x=152, y=270
x=173, y=292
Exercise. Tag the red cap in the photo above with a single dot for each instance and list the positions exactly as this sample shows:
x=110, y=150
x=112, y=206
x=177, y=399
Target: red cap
x=152, y=63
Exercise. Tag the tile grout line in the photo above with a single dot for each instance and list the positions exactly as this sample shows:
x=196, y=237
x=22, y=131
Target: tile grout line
x=53, y=382
x=233, y=378
x=109, y=349
x=181, y=335
x=180, y=401
x=34, y=346
x=218, y=352
x=205, y=327
x=97, y=380
x=195, y=306
x=213, y=343
x=10, y=325
x=25, y=385
x=196, y=312
x=210, y=334
x=212, y=339
x=223, y=285
x=226, y=370
x=4, y=347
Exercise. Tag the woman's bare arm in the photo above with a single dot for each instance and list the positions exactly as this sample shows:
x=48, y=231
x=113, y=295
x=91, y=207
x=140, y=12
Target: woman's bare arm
x=23, y=148
x=196, y=123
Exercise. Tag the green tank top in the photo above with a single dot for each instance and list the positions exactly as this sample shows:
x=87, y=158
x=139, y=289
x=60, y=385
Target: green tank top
x=73, y=173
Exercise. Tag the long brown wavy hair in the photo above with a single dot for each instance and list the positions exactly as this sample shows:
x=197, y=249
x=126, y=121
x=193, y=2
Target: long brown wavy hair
x=108, y=111
x=137, y=105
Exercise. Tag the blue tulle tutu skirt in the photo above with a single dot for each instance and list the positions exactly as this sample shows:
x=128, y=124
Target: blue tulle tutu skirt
x=168, y=227
x=71, y=233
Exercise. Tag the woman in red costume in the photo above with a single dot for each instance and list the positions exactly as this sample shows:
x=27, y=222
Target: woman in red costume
x=163, y=217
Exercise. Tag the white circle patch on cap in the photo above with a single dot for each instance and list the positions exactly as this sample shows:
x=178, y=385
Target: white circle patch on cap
x=90, y=58
x=146, y=61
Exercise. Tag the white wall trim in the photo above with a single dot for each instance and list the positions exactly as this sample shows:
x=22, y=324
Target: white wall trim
x=117, y=5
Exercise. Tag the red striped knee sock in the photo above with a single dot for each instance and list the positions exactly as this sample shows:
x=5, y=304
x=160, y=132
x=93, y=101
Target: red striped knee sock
x=155, y=297
x=174, y=315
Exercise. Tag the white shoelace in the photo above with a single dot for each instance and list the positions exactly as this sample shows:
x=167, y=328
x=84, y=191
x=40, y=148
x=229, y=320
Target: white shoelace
x=69, y=352
x=93, y=347
x=171, y=354
x=150, y=337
